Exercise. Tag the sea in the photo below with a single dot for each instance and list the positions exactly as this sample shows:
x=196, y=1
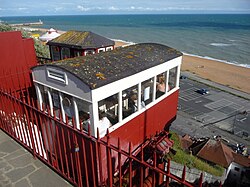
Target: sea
x=225, y=37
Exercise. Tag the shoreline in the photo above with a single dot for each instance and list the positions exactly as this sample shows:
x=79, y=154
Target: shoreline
x=229, y=75
x=236, y=76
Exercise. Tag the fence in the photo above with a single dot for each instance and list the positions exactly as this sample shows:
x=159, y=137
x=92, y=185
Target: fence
x=77, y=156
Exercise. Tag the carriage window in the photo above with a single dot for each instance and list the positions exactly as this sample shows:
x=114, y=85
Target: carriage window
x=89, y=52
x=58, y=76
x=101, y=50
x=160, y=85
x=83, y=112
x=65, y=52
x=129, y=101
x=172, y=78
x=55, y=51
x=147, y=91
x=108, y=107
x=77, y=53
x=44, y=94
x=109, y=48
x=68, y=105
x=55, y=101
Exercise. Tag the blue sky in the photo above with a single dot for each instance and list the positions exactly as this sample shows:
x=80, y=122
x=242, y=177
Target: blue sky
x=85, y=7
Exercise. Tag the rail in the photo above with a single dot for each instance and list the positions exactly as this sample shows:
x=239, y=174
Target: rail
x=75, y=154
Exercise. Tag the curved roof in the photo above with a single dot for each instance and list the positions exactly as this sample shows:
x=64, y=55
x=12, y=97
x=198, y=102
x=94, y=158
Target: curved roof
x=81, y=40
x=103, y=68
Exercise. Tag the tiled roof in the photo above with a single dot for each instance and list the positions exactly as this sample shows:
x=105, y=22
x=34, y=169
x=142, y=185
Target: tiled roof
x=242, y=160
x=82, y=40
x=103, y=68
x=186, y=142
x=216, y=152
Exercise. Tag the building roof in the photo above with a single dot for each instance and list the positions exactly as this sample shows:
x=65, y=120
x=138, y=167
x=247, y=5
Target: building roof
x=103, y=68
x=242, y=160
x=216, y=152
x=81, y=40
x=186, y=141
x=49, y=35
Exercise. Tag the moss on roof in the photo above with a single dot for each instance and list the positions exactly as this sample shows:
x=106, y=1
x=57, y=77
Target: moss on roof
x=103, y=68
x=81, y=39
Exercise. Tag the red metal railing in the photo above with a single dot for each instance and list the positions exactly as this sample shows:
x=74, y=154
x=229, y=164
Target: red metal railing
x=76, y=155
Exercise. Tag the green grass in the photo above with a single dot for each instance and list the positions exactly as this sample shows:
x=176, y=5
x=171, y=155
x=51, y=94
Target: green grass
x=191, y=161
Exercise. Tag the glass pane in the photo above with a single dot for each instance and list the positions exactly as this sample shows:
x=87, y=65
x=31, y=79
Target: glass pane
x=83, y=112
x=160, y=85
x=65, y=53
x=89, y=52
x=44, y=94
x=129, y=101
x=109, y=108
x=77, y=53
x=55, y=101
x=147, y=91
x=55, y=53
x=172, y=78
x=68, y=105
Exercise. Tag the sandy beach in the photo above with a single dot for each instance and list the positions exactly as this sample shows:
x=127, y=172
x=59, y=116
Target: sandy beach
x=226, y=74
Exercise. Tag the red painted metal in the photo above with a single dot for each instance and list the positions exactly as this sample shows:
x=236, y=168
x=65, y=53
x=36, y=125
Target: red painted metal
x=200, y=180
x=17, y=55
x=138, y=132
x=77, y=156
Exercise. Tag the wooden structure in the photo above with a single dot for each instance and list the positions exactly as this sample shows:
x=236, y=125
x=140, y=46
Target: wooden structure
x=78, y=43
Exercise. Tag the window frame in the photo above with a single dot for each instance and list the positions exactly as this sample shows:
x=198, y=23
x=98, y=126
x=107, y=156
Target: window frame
x=56, y=75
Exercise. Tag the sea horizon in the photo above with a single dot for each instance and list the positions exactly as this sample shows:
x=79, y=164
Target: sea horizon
x=221, y=37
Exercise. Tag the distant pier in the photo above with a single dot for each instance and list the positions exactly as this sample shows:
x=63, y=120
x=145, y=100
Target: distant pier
x=27, y=24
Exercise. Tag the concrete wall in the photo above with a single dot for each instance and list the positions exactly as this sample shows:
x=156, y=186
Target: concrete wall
x=193, y=175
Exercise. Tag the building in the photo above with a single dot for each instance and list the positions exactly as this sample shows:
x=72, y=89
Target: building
x=78, y=43
x=238, y=172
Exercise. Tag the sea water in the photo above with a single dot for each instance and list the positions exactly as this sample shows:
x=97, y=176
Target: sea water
x=224, y=37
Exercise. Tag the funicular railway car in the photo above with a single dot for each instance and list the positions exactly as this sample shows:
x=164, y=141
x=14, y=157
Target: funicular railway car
x=132, y=92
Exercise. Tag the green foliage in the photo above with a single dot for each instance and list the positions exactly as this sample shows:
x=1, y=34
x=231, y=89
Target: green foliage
x=41, y=49
x=191, y=161
x=5, y=28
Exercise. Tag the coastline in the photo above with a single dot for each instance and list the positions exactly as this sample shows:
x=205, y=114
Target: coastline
x=222, y=72
x=229, y=75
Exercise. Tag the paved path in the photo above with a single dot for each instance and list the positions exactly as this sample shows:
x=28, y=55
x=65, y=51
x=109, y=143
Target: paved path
x=18, y=168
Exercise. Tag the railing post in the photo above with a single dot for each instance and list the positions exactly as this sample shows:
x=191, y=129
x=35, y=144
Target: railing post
x=168, y=173
x=141, y=168
x=109, y=161
x=130, y=165
x=184, y=173
x=201, y=180
x=119, y=163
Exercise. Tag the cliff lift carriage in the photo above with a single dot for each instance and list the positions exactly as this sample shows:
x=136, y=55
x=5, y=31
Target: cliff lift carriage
x=78, y=43
x=115, y=91
x=121, y=83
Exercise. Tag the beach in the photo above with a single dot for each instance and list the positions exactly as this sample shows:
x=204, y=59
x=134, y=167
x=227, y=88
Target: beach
x=226, y=74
